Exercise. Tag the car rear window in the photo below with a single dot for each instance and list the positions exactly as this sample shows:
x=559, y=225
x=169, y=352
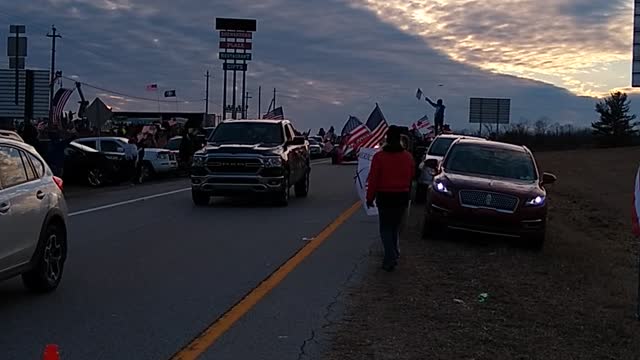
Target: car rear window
x=491, y=161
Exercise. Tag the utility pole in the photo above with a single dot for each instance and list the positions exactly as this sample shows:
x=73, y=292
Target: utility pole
x=259, y=102
x=53, y=35
x=206, y=101
x=246, y=105
x=274, y=98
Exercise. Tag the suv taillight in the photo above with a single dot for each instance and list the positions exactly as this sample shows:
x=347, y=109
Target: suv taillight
x=58, y=182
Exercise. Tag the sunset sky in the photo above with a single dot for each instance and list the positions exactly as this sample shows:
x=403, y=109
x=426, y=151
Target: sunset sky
x=334, y=58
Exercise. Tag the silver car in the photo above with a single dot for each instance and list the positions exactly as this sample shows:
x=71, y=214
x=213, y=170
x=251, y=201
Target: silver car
x=437, y=150
x=33, y=218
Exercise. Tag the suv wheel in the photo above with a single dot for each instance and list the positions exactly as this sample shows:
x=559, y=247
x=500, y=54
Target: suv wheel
x=147, y=171
x=302, y=186
x=536, y=242
x=200, y=198
x=282, y=197
x=95, y=177
x=48, y=261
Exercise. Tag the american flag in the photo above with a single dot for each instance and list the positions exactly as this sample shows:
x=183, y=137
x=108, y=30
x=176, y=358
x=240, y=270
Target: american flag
x=422, y=123
x=152, y=87
x=354, y=131
x=275, y=114
x=378, y=126
x=59, y=102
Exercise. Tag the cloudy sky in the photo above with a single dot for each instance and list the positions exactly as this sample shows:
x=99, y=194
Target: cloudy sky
x=333, y=58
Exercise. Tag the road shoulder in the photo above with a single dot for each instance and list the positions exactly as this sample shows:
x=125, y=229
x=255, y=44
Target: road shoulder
x=566, y=302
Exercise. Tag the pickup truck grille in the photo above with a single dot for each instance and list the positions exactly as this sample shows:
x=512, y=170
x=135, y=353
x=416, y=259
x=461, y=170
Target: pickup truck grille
x=488, y=200
x=234, y=166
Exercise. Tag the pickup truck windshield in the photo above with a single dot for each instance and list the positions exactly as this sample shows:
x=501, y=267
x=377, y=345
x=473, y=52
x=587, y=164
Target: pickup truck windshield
x=246, y=133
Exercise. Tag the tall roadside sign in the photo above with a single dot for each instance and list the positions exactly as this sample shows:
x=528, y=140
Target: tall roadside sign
x=635, y=67
x=235, y=47
x=17, y=52
x=489, y=111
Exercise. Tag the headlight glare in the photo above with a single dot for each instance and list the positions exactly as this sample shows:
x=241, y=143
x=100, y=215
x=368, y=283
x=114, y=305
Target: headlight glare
x=442, y=188
x=535, y=201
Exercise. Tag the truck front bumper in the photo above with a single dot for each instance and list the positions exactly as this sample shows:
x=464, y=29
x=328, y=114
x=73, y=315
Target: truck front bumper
x=236, y=184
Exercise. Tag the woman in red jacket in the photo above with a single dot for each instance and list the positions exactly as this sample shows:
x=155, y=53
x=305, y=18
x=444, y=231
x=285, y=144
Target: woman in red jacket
x=389, y=184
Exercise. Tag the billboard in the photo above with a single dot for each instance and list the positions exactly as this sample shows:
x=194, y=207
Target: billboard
x=489, y=111
x=635, y=67
x=8, y=108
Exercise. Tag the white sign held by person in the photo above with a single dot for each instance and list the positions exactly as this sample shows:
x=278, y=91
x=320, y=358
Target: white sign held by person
x=362, y=173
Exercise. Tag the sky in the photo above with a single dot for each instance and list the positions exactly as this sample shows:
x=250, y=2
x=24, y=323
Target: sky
x=331, y=59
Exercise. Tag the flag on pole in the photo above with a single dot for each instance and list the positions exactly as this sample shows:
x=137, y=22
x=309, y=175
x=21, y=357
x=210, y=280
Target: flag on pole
x=419, y=94
x=275, y=114
x=59, y=102
x=354, y=132
x=422, y=123
x=378, y=126
x=170, y=93
x=152, y=87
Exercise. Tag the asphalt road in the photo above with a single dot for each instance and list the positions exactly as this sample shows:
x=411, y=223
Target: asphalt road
x=148, y=271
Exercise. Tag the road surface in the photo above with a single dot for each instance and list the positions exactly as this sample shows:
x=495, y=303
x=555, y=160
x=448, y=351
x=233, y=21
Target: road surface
x=148, y=271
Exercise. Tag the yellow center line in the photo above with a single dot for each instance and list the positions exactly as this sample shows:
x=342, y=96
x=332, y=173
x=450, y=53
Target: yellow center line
x=209, y=336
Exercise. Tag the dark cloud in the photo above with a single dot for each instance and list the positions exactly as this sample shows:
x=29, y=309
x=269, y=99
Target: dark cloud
x=328, y=59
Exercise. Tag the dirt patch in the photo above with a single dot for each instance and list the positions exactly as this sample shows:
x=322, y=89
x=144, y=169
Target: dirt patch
x=574, y=300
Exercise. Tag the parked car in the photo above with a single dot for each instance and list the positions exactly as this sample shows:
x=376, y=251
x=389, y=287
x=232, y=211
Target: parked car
x=11, y=135
x=86, y=165
x=315, y=148
x=436, y=151
x=33, y=218
x=491, y=188
x=156, y=160
x=251, y=157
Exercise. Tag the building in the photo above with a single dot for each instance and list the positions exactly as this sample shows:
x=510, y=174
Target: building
x=9, y=110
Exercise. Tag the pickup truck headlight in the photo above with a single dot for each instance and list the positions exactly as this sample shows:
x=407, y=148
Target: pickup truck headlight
x=272, y=162
x=536, y=201
x=198, y=161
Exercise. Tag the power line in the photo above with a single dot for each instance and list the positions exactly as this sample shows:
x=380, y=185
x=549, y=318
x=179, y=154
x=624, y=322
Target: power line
x=114, y=92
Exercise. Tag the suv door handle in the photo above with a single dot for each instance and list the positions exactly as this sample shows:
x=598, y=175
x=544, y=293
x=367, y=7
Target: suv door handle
x=4, y=207
x=40, y=195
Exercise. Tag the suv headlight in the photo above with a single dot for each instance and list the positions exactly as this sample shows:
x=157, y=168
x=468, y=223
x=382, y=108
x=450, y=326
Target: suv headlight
x=272, y=162
x=535, y=201
x=442, y=188
x=198, y=161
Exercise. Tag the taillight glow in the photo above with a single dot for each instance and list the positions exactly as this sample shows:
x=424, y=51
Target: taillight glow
x=58, y=182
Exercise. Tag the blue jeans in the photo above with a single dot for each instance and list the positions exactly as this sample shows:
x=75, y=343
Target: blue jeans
x=390, y=219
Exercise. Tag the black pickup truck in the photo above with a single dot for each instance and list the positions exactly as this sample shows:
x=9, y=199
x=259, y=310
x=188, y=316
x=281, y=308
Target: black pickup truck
x=251, y=156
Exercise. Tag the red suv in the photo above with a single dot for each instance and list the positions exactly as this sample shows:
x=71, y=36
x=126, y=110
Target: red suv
x=490, y=188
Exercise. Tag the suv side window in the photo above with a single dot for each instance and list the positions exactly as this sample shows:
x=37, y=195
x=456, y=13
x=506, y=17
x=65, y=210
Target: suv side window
x=110, y=146
x=37, y=165
x=89, y=143
x=31, y=174
x=12, y=169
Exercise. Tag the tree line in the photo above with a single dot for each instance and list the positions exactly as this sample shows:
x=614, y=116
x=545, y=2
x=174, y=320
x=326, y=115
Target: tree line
x=615, y=127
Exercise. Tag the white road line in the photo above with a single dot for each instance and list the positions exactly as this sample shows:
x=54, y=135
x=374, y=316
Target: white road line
x=127, y=202
x=319, y=162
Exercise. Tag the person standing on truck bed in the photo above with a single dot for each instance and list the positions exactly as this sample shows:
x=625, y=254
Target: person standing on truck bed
x=438, y=117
